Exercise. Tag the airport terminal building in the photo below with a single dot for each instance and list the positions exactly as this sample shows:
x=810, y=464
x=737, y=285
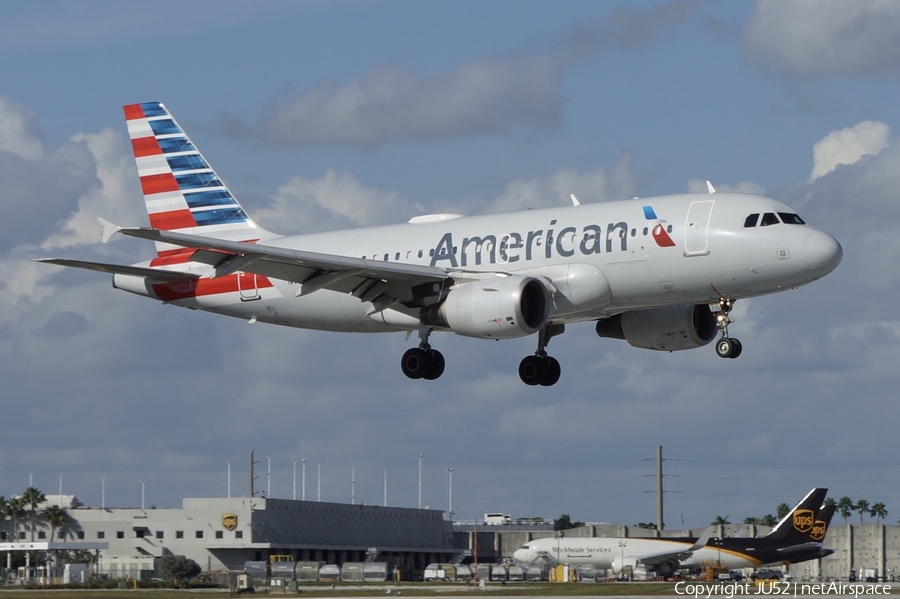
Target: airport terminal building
x=223, y=534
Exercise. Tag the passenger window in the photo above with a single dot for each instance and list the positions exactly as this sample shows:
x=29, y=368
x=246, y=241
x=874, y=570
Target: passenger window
x=751, y=220
x=386, y=256
x=791, y=219
x=397, y=256
x=420, y=253
x=769, y=218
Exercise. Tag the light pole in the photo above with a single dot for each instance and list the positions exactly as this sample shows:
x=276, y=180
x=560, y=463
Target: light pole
x=421, y=455
x=142, y=494
x=102, y=492
x=228, y=465
x=294, y=464
x=59, y=500
x=450, y=501
x=268, y=476
x=352, y=485
x=303, y=487
x=318, y=481
x=385, y=489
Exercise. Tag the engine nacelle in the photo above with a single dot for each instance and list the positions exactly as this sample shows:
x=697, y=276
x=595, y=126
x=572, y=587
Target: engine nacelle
x=499, y=308
x=663, y=329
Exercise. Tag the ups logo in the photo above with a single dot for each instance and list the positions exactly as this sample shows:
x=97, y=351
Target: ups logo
x=804, y=520
x=229, y=521
x=818, y=531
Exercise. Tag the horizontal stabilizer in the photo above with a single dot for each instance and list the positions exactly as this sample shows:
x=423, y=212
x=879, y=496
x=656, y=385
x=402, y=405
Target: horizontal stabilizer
x=170, y=276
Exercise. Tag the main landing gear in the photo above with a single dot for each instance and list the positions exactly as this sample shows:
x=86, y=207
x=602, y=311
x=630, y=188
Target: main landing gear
x=422, y=362
x=541, y=369
x=726, y=347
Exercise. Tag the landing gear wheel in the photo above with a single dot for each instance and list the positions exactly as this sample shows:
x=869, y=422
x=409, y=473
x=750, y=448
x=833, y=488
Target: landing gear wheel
x=416, y=363
x=532, y=370
x=727, y=347
x=437, y=365
x=553, y=372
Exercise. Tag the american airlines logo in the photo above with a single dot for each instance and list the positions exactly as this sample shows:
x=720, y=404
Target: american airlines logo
x=549, y=243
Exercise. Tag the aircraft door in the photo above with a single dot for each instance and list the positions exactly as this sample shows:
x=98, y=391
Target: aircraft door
x=696, y=228
x=247, y=286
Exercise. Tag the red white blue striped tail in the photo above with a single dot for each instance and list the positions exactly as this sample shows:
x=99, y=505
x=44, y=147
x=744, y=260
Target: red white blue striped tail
x=182, y=192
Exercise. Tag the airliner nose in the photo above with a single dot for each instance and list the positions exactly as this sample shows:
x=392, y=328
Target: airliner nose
x=823, y=252
x=521, y=556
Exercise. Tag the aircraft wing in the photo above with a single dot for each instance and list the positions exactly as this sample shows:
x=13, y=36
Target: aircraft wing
x=674, y=557
x=169, y=276
x=383, y=283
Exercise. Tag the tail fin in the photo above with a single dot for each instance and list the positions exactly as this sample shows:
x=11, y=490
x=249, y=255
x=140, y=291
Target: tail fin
x=802, y=522
x=822, y=522
x=181, y=190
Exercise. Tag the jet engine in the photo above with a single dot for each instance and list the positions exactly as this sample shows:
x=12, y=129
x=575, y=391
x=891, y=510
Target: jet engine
x=499, y=308
x=664, y=329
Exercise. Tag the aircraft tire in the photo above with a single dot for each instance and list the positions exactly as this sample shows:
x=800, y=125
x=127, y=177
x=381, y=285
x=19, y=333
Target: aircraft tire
x=724, y=347
x=736, y=348
x=416, y=363
x=532, y=370
x=437, y=365
x=553, y=372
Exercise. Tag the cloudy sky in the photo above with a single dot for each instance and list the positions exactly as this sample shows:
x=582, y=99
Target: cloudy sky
x=325, y=115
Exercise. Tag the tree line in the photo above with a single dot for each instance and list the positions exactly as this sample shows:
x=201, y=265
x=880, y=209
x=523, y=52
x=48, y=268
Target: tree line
x=843, y=506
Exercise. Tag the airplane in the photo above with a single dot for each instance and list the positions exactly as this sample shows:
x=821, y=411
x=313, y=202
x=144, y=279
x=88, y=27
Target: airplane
x=796, y=538
x=661, y=273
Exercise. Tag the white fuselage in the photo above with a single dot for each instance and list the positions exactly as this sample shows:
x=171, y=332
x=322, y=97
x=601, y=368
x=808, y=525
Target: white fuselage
x=600, y=259
x=616, y=553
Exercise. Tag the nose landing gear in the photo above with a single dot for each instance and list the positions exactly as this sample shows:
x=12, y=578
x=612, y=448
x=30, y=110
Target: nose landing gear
x=726, y=347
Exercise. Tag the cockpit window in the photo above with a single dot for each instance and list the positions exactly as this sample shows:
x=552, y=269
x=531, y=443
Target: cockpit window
x=769, y=218
x=791, y=219
x=751, y=220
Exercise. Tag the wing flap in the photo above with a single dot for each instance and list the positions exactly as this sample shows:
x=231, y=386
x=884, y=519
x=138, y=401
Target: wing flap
x=399, y=281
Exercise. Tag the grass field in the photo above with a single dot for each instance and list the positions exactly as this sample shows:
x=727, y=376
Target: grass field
x=404, y=590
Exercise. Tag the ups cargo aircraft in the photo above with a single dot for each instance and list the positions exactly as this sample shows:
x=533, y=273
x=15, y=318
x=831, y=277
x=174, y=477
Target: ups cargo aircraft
x=796, y=538
x=661, y=273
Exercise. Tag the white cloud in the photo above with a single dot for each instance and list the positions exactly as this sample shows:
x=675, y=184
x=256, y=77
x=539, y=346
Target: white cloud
x=847, y=146
x=826, y=37
x=19, y=131
x=336, y=200
x=497, y=95
x=597, y=185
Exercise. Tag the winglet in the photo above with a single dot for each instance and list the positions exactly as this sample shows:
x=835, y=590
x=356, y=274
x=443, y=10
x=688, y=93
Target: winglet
x=709, y=186
x=109, y=229
x=575, y=201
x=703, y=540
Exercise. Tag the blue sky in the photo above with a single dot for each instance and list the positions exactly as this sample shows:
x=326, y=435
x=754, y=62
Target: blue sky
x=326, y=115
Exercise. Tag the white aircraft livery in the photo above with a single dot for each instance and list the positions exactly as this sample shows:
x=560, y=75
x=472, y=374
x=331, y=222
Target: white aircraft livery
x=796, y=538
x=661, y=273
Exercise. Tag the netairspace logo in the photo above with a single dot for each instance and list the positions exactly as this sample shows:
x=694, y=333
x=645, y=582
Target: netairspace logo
x=775, y=588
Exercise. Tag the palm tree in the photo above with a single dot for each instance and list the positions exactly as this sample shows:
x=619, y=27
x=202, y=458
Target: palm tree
x=862, y=506
x=720, y=521
x=830, y=501
x=55, y=516
x=878, y=511
x=751, y=520
x=32, y=497
x=14, y=508
x=768, y=520
x=782, y=510
x=2, y=510
x=845, y=507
